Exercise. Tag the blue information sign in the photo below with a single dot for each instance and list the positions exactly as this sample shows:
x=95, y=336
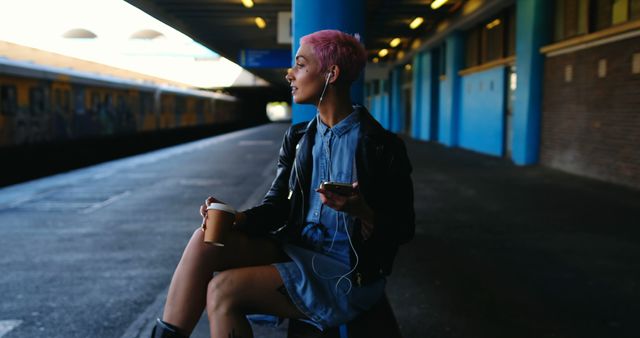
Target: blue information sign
x=265, y=58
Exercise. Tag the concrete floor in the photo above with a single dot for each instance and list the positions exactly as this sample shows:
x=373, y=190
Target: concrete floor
x=500, y=250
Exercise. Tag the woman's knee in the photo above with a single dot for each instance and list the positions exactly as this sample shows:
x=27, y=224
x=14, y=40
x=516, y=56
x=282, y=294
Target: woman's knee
x=205, y=257
x=220, y=293
x=198, y=236
x=197, y=243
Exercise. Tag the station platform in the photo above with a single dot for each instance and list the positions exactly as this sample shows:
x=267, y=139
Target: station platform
x=500, y=250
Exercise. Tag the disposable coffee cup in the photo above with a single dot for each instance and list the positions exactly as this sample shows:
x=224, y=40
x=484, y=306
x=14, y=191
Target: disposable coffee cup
x=220, y=218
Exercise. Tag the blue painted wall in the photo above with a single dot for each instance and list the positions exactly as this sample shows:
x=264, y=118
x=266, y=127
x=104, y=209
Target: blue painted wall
x=482, y=111
x=450, y=91
x=313, y=15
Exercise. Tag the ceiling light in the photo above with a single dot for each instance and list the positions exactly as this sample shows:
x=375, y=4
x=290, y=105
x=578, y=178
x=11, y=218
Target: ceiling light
x=471, y=6
x=395, y=42
x=376, y=60
x=247, y=3
x=260, y=22
x=383, y=52
x=416, y=22
x=79, y=33
x=437, y=3
x=416, y=43
x=407, y=67
x=493, y=23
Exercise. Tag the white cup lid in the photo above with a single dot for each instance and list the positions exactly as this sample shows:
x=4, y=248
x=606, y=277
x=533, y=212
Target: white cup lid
x=221, y=206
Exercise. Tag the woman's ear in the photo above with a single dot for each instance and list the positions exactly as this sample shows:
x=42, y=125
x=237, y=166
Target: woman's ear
x=333, y=73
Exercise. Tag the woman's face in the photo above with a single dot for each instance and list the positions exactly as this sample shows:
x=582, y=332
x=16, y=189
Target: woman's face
x=305, y=78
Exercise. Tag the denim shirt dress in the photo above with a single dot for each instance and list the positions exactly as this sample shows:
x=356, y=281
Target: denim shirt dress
x=317, y=278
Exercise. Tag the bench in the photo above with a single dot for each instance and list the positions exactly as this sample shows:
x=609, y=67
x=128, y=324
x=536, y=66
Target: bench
x=379, y=321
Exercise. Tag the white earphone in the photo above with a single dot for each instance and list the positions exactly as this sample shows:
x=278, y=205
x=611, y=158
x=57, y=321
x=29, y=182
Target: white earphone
x=326, y=83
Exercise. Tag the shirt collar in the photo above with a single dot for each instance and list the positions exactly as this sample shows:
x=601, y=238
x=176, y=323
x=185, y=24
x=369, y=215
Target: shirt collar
x=342, y=127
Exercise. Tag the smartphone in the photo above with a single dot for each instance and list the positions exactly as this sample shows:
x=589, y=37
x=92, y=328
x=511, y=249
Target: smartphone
x=345, y=189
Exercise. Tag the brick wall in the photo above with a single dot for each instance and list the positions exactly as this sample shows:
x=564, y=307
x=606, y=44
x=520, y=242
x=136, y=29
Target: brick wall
x=591, y=125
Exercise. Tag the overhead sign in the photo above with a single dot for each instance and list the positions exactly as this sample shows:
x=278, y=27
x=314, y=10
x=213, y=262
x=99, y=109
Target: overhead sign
x=265, y=58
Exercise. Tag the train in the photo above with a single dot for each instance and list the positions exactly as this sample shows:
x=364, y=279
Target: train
x=41, y=104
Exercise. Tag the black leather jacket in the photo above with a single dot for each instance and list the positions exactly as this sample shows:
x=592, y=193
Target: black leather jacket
x=384, y=180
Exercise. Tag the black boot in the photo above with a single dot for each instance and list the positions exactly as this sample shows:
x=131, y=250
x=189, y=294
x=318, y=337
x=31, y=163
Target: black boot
x=165, y=330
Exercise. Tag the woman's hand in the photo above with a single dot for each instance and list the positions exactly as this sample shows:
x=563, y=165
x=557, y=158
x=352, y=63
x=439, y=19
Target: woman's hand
x=353, y=204
x=203, y=210
x=240, y=217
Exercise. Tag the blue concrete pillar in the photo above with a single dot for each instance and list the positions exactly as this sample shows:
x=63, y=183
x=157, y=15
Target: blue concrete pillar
x=450, y=91
x=374, y=108
x=424, y=90
x=533, y=30
x=396, y=111
x=384, y=103
x=309, y=16
x=417, y=97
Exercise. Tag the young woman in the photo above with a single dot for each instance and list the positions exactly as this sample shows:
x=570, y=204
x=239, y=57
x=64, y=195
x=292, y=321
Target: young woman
x=307, y=251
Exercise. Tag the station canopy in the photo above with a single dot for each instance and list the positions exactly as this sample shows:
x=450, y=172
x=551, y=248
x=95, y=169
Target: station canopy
x=230, y=27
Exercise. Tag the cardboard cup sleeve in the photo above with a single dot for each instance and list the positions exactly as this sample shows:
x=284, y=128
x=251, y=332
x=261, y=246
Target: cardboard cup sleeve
x=220, y=218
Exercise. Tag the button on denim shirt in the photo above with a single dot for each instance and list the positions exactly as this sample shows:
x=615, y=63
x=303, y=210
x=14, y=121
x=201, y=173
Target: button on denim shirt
x=333, y=160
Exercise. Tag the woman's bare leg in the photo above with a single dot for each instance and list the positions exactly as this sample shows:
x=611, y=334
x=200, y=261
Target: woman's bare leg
x=234, y=293
x=188, y=289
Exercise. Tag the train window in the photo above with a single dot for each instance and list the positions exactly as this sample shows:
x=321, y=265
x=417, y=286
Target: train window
x=180, y=110
x=207, y=107
x=141, y=105
x=121, y=104
x=95, y=102
x=66, y=101
x=57, y=100
x=8, y=100
x=37, y=100
x=167, y=103
x=79, y=101
x=181, y=104
x=145, y=104
x=200, y=110
x=132, y=102
x=108, y=102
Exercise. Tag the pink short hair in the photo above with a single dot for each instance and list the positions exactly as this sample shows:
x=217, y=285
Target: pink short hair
x=334, y=47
